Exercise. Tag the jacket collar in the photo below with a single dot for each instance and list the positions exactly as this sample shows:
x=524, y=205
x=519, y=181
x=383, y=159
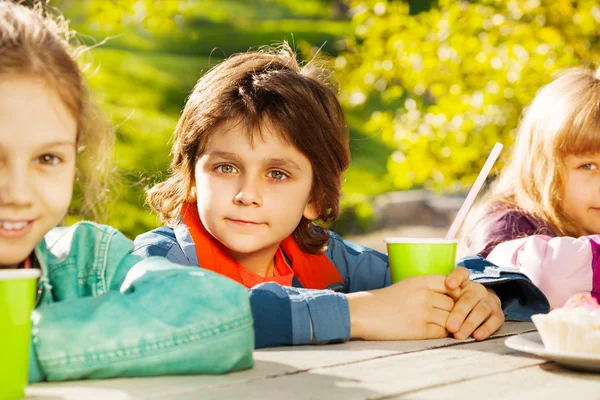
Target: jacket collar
x=313, y=271
x=185, y=241
x=55, y=246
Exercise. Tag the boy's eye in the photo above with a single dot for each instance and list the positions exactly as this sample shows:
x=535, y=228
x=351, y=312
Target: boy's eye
x=589, y=166
x=48, y=159
x=226, y=169
x=278, y=175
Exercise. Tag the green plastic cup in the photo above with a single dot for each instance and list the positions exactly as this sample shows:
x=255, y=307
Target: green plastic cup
x=17, y=299
x=412, y=257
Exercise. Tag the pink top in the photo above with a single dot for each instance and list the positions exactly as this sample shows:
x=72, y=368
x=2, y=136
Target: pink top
x=560, y=266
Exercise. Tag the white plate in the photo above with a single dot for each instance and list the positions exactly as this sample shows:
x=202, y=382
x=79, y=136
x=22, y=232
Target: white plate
x=532, y=343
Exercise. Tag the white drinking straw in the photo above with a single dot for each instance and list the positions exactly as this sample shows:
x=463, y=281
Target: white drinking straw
x=466, y=206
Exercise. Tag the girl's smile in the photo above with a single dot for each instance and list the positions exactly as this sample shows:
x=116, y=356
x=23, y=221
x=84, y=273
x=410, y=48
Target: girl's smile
x=15, y=229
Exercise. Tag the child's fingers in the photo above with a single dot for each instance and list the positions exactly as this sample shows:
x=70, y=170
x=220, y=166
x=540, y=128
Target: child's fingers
x=437, y=283
x=490, y=326
x=438, y=317
x=435, y=331
x=434, y=282
x=458, y=278
x=464, y=306
x=442, y=302
x=480, y=313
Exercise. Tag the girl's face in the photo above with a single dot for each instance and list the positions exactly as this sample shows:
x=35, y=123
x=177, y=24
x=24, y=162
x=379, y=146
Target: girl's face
x=252, y=196
x=582, y=192
x=37, y=164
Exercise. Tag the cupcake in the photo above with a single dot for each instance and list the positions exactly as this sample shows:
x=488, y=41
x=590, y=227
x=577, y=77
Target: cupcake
x=574, y=328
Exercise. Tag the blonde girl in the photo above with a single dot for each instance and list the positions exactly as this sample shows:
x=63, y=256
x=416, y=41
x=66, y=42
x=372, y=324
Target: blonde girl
x=549, y=193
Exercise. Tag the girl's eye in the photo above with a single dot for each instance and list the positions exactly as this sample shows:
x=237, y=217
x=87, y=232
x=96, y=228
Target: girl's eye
x=589, y=166
x=226, y=169
x=278, y=175
x=49, y=159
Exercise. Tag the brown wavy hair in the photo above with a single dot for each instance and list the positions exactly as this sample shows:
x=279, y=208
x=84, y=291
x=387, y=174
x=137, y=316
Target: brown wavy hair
x=255, y=88
x=34, y=42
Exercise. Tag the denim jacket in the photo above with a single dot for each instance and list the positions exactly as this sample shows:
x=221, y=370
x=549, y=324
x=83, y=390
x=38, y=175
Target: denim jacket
x=103, y=312
x=294, y=315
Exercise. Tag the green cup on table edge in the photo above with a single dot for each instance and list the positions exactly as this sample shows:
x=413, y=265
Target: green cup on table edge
x=420, y=256
x=18, y=288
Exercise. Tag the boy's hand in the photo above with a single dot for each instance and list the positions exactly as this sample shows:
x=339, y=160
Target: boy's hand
x=477, y=311
x=414, y=308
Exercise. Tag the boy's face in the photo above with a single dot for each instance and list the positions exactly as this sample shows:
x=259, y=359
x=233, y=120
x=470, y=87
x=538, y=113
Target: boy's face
x=37, y=165
x=251, y=197
x=581, y=197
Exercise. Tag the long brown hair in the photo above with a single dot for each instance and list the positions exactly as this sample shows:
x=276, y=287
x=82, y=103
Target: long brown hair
x=562, y=120
x=35, y=43
x=256, y=87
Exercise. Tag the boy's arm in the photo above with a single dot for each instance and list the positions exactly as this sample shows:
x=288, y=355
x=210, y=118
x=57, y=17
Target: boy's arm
x=362, y=268
x=415, y=308
x=165, y=319
x=290, y=316
x=560, y=267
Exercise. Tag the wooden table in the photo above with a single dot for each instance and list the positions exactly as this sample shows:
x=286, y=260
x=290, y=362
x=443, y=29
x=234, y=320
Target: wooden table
x=430, y=369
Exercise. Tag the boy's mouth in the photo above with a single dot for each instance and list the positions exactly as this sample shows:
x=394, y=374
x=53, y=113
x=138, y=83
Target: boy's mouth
x=14, y=228
x=243, y=222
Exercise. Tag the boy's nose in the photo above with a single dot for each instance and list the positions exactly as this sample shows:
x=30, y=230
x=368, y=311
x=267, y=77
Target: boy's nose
x=249, y=193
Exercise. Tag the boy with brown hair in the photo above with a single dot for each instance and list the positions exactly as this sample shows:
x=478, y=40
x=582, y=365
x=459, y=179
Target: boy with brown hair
x=258, y=155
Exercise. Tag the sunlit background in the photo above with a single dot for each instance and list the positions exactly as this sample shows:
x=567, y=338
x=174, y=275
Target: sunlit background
x=428, y=86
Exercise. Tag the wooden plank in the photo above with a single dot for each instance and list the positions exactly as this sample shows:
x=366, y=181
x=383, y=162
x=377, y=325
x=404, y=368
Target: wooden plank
x=547, y=381
x=270, y=363
x=302, y=358
x=382, y=377
x=130, y=388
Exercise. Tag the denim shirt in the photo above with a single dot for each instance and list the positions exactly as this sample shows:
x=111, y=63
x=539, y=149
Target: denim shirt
x=103, y=312
x=294, y=315
x=303, y=315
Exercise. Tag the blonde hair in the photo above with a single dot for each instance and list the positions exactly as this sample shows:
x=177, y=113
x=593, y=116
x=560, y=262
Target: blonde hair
x=33, y=42
x=562, y=120
x=255, y=88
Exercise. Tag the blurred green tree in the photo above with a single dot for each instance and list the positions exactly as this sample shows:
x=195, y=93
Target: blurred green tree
x=154, y=53
x=447, y=83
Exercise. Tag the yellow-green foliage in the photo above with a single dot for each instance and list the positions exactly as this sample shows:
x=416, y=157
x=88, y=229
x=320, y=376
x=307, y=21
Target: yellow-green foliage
x=155, y=52
x=450, y=82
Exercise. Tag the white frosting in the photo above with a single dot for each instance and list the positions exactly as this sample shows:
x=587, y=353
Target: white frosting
x=579, y=314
